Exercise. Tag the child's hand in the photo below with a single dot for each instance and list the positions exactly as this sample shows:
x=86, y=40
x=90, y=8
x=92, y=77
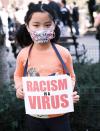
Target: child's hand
x=19, y=92
x=75, y=97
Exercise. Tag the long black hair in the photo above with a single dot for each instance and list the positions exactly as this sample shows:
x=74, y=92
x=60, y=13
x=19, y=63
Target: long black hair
x=23, y=36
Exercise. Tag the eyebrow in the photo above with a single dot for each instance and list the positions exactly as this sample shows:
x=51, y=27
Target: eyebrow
x=47, y=22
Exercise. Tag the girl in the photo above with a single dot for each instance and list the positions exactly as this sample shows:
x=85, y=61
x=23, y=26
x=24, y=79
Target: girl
x=38, y=36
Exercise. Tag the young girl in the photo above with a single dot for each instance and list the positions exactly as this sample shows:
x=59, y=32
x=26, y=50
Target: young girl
x=38, y=57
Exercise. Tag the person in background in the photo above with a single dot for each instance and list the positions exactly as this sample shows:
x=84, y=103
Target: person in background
x=97, y=20
x=91, y=8
x=39, y=35
x=66, y=16
x=75, y=18
x=55, y=6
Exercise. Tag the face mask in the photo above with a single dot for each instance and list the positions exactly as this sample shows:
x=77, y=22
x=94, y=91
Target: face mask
x=42, y=35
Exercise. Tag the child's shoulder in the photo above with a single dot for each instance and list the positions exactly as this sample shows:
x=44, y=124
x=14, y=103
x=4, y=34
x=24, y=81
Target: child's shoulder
x=62, y=49
x=24, y=52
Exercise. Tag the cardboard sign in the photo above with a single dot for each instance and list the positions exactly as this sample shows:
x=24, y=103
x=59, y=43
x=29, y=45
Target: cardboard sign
x=48, y=95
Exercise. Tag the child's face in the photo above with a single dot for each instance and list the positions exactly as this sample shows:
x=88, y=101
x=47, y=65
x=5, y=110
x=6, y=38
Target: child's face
x=41, y=28
x=40, y=20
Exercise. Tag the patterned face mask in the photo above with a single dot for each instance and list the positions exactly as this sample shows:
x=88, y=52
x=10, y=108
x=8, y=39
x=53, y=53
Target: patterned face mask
x=42, y=35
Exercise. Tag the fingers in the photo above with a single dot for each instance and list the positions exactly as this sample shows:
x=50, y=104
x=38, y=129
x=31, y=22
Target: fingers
x=74, y=93
x=19, y=93
x=76, y=97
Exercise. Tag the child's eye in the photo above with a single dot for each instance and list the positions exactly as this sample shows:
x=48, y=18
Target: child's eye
x=36, y=25
x=48, y=25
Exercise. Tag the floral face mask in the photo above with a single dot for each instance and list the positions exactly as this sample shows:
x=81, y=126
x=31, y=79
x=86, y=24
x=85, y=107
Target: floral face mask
x=42, y=35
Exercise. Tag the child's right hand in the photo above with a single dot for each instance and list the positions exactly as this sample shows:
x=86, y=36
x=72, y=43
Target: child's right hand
x=19, y=92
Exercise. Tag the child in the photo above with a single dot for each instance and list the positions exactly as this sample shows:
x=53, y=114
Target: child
x=38, y=36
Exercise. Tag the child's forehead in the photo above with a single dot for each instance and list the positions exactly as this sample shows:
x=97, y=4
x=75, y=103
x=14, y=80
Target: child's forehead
x=41, y=16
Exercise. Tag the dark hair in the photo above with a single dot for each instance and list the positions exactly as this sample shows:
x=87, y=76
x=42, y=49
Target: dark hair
x=30, y=5
x=64, y=2
x=23, y=36
x=74, y=3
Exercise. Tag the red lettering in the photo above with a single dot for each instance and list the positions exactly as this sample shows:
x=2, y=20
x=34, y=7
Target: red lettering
x=39, y=102
x=55, y=101
x=35, y=86
x=29, y=85
x=64, y=100
x=48, y=85
x=54, y=86
x=32, y=101
x=45, y=102
x=62, y=84
x=42, y=88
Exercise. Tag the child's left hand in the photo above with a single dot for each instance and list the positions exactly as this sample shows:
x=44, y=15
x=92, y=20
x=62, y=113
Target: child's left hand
x=75, y=97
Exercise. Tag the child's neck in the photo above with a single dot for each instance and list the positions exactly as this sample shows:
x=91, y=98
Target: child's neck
x=41, y=47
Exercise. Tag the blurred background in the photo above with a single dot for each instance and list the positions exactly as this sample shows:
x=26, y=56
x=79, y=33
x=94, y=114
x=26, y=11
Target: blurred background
x=81, y=38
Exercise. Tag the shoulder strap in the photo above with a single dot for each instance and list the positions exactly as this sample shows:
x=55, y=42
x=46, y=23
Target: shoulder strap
x=58, y=55
x=60, y=58
x=26, y=65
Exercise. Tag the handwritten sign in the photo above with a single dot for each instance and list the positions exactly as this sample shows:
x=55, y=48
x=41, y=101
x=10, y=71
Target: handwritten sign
x=48, y=95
